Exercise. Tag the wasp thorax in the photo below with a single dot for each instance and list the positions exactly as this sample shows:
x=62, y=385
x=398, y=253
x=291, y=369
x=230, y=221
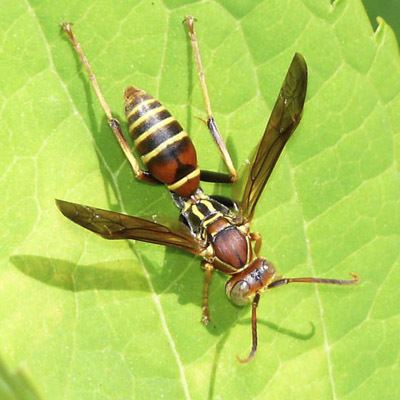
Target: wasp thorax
x=243, y=286
x=231, y=245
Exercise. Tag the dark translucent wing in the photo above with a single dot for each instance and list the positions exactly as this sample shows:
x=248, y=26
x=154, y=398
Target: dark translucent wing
x=284, y=118
x=113, y=225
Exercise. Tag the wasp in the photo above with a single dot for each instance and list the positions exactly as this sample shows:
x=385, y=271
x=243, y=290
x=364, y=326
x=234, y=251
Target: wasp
x=215, y=228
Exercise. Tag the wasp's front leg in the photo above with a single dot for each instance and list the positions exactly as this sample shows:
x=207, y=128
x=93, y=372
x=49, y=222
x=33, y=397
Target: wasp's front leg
x=257, y=238
x=205, y=312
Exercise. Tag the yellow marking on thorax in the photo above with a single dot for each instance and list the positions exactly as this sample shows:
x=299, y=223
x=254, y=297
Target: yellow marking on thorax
x=147, y=157
x=187, y=206
x=197, y=212
x=209, y=205
x=152, y=129
x=145, y=116
x=140, y=105
x=183, y=180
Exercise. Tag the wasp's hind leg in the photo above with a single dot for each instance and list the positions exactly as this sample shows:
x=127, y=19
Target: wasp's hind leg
x=209, y=176
x=112, y=122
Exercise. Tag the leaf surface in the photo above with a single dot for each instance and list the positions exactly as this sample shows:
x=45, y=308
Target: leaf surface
x=84, y=318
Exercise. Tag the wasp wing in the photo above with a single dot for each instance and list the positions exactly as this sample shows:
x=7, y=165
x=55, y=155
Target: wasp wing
x=284, y=118
x=113, y=225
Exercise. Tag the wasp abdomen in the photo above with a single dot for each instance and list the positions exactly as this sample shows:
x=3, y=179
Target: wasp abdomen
x=165, y=148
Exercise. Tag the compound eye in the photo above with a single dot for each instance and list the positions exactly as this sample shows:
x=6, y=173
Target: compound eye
x=239, y=294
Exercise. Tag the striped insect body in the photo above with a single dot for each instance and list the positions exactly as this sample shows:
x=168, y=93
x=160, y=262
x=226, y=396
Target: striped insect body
x=214, y=228
x=165, y=148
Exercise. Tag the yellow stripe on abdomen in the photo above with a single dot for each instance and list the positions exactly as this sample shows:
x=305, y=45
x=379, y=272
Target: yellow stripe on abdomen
x=149, y=113
x=153, y=129
x=140, y=106
x=176, y=185
x=155, y=152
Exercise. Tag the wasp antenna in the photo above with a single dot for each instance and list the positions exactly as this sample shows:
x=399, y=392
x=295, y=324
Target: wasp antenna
x=355, y=277
x=249, y=358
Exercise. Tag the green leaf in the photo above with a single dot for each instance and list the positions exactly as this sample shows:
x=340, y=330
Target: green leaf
x=389, y=10
x=84, y=318
x=15, y=386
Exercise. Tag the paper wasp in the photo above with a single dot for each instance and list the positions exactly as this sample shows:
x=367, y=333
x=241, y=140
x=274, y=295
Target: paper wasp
x=216, y=229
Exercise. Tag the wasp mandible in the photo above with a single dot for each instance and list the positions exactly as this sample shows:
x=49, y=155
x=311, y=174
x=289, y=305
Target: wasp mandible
x=215, y=228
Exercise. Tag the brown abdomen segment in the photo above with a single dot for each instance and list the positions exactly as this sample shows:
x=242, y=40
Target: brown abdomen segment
x=165, y=148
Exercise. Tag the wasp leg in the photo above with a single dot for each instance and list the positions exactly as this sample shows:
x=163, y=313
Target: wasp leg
x=257, y=238
x=215, y=177
x=327, y=281
x=208, y=270
x=112, y=122
x=211, y=124
x=253, y=331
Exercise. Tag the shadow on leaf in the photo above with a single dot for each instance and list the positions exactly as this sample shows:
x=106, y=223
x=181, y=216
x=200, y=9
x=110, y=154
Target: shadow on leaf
x=182, y=275
x=73, y=277
x=283, y=331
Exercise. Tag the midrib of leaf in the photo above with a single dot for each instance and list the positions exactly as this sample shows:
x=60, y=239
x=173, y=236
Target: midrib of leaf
x=335, y=385
x=163, y=320
x=154, y=296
